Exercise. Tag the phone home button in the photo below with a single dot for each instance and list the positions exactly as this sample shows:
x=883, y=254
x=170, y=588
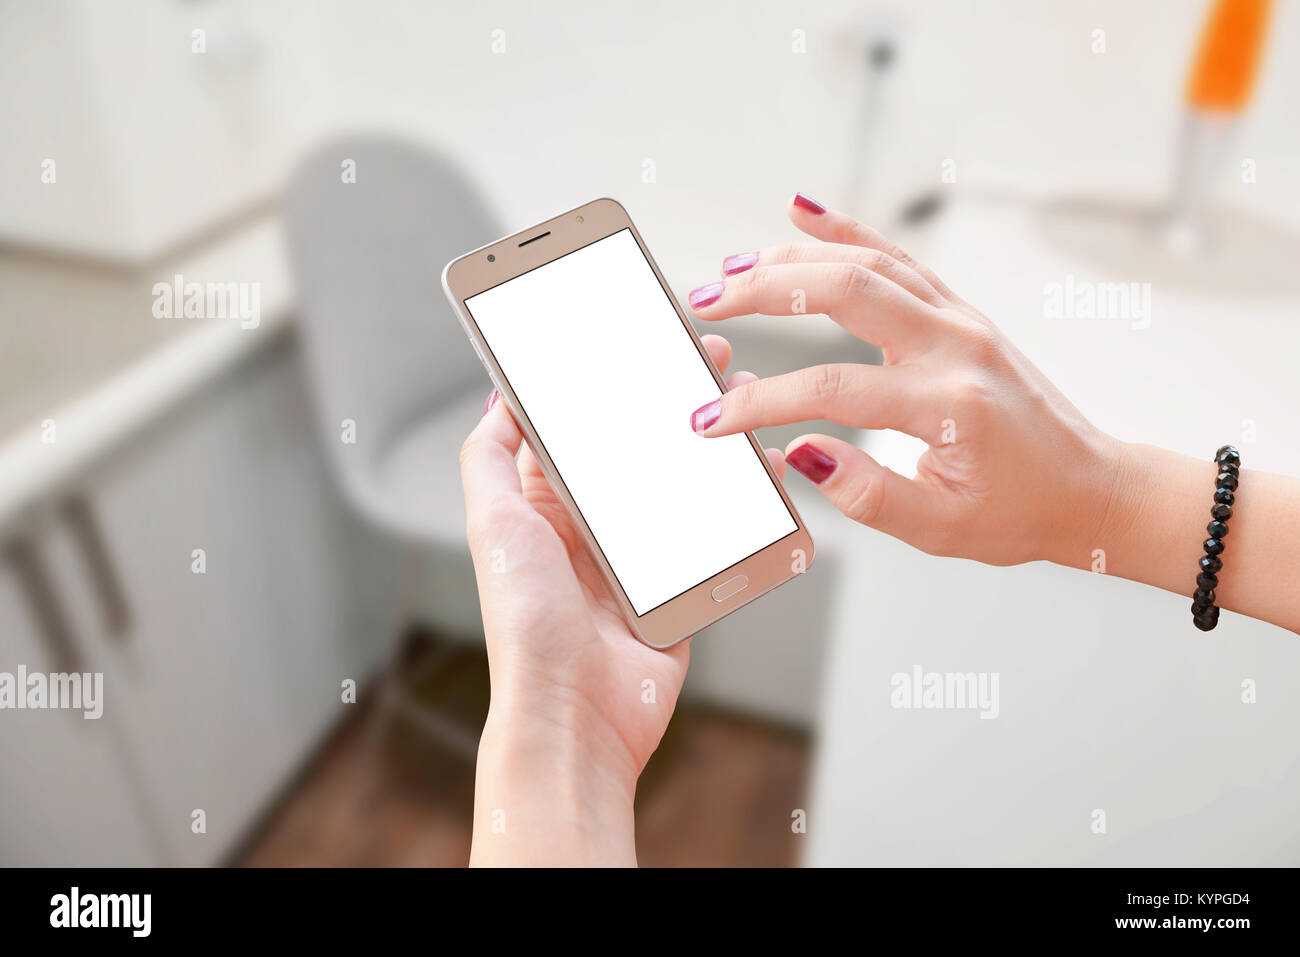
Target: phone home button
x=730, y=587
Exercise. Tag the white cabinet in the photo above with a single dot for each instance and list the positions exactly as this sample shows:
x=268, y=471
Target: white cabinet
x=66, y=794
x=228, y=666
x=228, y=675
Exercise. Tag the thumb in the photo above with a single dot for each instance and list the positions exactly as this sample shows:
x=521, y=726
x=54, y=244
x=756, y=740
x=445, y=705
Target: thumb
x=487, y=468
x=865, y=490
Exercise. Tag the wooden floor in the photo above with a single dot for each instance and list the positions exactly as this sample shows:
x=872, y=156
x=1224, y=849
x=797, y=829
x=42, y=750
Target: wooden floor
x=383, y=792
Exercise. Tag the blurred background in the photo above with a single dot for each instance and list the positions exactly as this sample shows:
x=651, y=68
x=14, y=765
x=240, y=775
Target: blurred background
x=247, y=516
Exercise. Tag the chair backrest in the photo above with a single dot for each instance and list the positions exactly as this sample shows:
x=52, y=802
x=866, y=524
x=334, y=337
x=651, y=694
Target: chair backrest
x=371, y=221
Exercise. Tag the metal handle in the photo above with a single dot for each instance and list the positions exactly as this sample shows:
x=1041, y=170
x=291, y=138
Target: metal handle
x=43, y=601
x=103, y=575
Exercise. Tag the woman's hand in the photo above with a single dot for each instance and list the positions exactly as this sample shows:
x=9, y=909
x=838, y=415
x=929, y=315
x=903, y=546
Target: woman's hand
x=1013, y=472
x=578, y=703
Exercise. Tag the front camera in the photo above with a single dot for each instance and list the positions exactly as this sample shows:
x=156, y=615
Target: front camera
x=491, y=258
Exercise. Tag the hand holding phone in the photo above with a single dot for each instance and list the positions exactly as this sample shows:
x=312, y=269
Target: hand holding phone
x=578, y=706
x=597, y=362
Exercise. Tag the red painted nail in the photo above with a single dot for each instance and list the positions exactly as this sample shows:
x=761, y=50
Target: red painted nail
x=491, y=401
x=706, y=295
x=738, y=263
x=706, y=415
x=803, y=202
x=812, y=463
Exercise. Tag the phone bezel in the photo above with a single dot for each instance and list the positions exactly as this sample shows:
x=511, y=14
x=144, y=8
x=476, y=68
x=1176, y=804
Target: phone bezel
x=695, y=609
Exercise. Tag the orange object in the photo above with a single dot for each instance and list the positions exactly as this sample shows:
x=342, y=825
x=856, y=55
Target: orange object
x=1227, y=61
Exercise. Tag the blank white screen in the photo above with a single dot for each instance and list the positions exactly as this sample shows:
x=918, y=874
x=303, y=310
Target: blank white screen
x=601, y=365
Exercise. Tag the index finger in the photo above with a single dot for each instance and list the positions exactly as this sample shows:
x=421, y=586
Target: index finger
x=874, y=259
x=859, y=396
x=832, y=226
x=867, y=304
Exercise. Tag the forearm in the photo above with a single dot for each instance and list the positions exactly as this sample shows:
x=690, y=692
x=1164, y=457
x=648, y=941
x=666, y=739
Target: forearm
x=545, y=797
x=1152, y=525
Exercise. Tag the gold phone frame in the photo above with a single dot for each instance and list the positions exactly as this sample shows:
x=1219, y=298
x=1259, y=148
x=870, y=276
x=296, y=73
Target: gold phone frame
x=696, y=608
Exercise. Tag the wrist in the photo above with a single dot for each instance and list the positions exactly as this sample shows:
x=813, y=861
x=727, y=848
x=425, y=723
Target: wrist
x=1153, y=522
x=558, y=716
x=1114, y=509
x=566, y=738
x=1097, y=497
x=554, y=785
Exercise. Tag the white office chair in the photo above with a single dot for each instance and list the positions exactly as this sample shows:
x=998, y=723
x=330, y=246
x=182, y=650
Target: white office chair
x=396, y=384
x=383, y=348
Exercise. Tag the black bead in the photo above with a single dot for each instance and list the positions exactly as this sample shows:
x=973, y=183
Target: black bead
x=1227, y=455
x=1205, y=613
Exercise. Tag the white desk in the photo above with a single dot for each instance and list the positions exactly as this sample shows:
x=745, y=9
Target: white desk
x=1109, y=698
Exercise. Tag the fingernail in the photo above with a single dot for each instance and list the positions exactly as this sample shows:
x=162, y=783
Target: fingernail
x=491, y=401
x=803, y=202
x=706, y=295
x=812, y=463
x=738, y=263
x=706, y=415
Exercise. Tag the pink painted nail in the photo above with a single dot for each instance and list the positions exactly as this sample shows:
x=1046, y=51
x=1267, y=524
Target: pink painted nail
x=738, y=263
x=491, y=401
x=812, y=463
x=706, y=295
x=706, y=415
x=803, y=202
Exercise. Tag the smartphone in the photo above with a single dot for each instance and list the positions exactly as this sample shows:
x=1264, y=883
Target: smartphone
x=601, y=369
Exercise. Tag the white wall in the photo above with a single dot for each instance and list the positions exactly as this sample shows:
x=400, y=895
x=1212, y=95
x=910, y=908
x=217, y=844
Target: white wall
x=154, y=141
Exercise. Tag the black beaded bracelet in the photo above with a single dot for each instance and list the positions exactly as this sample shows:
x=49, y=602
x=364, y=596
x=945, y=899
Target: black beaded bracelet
x=1205, y=613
